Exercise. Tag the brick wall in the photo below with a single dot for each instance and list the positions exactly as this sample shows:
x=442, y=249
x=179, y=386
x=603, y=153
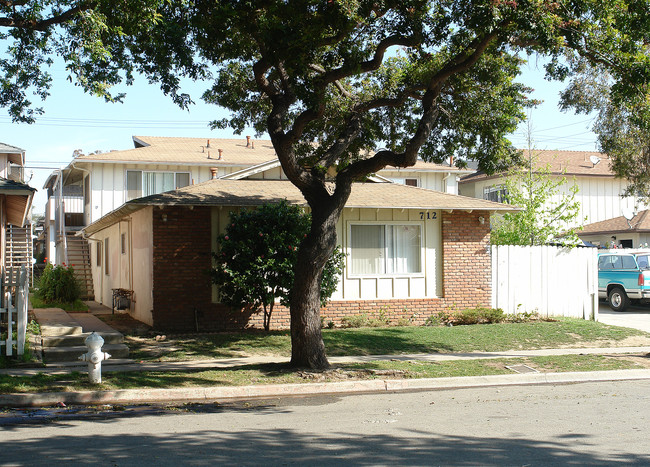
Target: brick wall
x=182, y=294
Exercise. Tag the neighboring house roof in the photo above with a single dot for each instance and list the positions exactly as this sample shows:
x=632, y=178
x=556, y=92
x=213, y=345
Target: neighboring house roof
x=15, y=154
x=220, y=192
x=560, y=163
x=19, y=200
x=639, y=223
x=9, y=149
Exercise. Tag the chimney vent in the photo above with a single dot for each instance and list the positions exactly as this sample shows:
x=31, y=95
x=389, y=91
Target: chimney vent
x=213, y=172
x=208, y=145
x=220, y=154
x=208, y=154
x=252, y=144
x=248, y=141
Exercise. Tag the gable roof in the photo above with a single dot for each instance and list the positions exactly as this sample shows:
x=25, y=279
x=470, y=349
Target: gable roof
x=205, y=152
x=9, y=149
x=233, y=193
x=19, y=198
x=560, y=163
x=639, y=223
x=15, y=154
x=188, y=151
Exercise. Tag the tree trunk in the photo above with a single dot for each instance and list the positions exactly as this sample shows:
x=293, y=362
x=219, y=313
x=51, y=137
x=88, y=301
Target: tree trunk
x=307, y=347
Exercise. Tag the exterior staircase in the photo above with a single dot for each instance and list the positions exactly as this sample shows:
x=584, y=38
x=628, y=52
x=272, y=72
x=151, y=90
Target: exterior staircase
x=63, y=335
x=79, y=259
x=19, y=251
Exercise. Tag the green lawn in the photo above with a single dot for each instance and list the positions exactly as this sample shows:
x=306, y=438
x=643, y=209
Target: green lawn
x=77, y=305
x=278, y=374
x=361, y=341
x=565, y=332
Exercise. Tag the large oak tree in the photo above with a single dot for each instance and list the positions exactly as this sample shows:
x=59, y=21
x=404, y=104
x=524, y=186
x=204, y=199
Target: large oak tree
x=415, y=78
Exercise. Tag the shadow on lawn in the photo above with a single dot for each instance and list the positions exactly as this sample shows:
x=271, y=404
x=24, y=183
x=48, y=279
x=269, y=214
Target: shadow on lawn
x=378, y=341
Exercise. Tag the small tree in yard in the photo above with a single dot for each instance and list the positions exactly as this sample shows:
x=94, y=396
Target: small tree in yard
x=258, y=254
x=546, y=212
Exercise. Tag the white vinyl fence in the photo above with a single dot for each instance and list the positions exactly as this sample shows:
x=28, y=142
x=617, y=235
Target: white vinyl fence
x=13, y=312
x=552, y=281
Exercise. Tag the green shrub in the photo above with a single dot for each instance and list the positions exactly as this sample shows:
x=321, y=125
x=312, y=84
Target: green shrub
x=523, y=316
x=364, y=320
x=477, y=315
x=58, y=284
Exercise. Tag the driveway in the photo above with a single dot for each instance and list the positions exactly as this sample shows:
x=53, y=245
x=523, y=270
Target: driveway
x=637, y=317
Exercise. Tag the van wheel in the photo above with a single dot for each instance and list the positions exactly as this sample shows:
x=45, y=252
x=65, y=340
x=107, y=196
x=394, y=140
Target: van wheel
x=618, y=299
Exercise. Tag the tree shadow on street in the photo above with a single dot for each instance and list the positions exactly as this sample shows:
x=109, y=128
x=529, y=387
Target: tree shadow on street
x=290, y=447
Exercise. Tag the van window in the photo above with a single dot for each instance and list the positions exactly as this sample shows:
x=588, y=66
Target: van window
x=628, y=262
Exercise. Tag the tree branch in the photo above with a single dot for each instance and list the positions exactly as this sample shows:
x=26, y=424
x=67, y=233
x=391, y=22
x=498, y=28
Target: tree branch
x=369, y=65
x=42, y=25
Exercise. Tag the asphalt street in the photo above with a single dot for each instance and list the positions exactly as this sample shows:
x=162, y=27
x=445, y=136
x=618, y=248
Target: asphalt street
x=576, y=424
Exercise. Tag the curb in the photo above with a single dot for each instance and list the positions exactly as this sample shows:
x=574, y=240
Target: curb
x=204, y=394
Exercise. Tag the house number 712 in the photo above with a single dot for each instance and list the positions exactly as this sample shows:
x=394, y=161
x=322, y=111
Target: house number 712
x=428, y=215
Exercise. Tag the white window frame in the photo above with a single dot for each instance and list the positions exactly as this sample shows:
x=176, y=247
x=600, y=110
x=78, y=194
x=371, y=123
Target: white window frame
x=402, y=180
x=348, y=249
x=496, y=189
x=142, y=172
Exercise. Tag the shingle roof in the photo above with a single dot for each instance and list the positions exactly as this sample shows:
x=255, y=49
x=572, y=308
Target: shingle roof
x=12, y=187
x=8, y=149
x=19, y=198
x=189, y=151
x=256, y=192
x=560, y=162
x=639, y=223
x=194, y=151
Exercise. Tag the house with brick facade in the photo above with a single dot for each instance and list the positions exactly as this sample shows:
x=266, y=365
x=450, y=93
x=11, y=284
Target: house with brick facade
x=94, y=185
x=410, y=251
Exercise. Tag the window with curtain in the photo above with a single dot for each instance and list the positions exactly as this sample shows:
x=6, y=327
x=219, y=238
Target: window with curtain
x=385, y=249
x=139, y=183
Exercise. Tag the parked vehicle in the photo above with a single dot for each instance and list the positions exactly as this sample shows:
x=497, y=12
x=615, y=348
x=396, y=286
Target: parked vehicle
x=624, y=276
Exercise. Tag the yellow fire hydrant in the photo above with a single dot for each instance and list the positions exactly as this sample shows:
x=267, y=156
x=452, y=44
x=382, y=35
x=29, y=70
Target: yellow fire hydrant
x=94, y=357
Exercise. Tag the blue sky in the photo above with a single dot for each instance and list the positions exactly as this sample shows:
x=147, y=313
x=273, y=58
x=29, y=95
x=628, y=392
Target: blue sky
x=74, y=120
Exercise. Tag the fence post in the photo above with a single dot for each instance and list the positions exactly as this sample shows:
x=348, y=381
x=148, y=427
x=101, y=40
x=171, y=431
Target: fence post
x=21, y=311
x=9, y=347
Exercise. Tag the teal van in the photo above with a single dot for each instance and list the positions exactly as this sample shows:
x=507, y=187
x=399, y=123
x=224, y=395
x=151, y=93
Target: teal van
x=624, y=276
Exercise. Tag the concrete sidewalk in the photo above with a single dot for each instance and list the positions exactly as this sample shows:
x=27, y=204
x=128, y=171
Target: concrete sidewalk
x=348, y=387
x=224, y=363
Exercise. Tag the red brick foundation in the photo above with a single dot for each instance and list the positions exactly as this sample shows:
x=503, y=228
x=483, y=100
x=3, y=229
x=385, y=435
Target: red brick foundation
x=182, y=290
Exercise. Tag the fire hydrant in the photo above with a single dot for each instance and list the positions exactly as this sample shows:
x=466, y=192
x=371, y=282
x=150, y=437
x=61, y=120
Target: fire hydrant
x=94, y=357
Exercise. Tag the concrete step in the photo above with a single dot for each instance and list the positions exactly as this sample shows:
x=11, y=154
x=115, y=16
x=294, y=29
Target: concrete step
x=79, y=339
x=70, y=354
x=81, y=366
x=56, y=322
x=63, y=335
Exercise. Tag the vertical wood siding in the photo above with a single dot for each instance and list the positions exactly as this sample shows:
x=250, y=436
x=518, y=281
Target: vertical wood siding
x=553, y=281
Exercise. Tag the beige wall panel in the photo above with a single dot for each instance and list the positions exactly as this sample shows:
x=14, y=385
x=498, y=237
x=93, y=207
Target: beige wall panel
x=368, y=288
x=385, y=288
x=401, y=287
x=142, y=260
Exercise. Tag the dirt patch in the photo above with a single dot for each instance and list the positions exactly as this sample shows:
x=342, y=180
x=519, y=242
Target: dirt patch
x=630, y=341
x=339, y=374
x=641, y=360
